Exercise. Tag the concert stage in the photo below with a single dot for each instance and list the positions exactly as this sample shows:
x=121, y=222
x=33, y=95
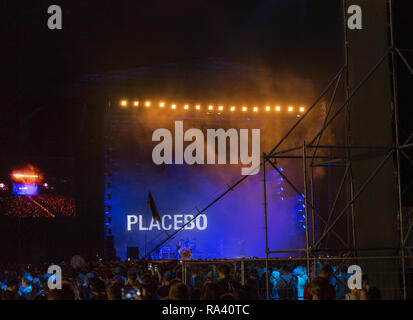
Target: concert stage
x=186, y=182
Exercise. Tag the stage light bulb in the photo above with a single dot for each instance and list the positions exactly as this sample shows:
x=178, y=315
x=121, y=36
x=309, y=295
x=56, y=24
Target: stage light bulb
x=244, y=108
x=277, y=108
x=210, y=107
x=290, y=108
x=255, y=109
x=197, y=107
x=136, y=103
x=162, y=104
x=147, y=103
x=124, y=103
x=173, y=106
x=186, y=107
x=302, y=109
x=232, y=108
x=267, y=108
x=220, y=108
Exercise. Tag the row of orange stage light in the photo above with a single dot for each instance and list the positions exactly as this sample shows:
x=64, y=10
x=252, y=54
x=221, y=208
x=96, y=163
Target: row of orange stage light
x=232, y=108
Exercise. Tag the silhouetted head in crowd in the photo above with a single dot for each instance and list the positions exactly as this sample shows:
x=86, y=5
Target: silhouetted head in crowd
x=246, y=292
x=97, y=286
x=254, y=274
x=150, y=289
x=178, y=291
x=12, y=290
x=13, y=284
x=174, y=280
x=114, y=291
x=196, y=294
x=26, y=280
x=167, y=278
x=67, y=292
x=365, y=281
x=318, y=288
x=132, y=277
x=210, y=291
x=343, y=269
x=227, y=296
x=286, y=269
x=372, y=293
x=223, y=271
x=326, y=272
x=253, y=283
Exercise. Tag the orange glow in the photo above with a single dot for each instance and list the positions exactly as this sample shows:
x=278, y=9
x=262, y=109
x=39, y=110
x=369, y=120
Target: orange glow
x=148, y=103
x=220, y=108
x=290, y=108
x=186, y=107
x=301, y=109
x=197, y=107
x=232, y=108
x=277, y=108
x=28, y=174
x=255, y=109
x=210, y=107
x=124, y=103
x=267, y=108
x=162, y=104
x=173, y=106
x=25, y=175
x=136, y=103
x=244, y=108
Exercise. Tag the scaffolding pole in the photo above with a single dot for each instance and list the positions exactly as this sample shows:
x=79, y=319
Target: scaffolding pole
x=267, y=280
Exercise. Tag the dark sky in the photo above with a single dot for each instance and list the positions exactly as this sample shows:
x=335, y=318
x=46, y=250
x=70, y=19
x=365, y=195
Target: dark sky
x=103, y=35
x=302, y=37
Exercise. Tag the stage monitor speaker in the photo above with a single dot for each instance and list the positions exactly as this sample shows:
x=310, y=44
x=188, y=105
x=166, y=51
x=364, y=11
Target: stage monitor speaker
x=132, y=253
x=370, y=117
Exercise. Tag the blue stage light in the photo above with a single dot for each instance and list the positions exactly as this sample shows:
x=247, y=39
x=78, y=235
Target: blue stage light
x=25, y=189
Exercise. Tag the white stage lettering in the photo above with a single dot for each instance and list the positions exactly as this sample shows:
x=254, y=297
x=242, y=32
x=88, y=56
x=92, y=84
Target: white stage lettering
x=168, y=222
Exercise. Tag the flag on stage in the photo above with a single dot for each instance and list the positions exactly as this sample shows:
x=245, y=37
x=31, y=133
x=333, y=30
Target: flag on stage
x=152, y=206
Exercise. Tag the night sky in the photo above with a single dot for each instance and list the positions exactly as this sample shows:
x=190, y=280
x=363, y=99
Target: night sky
x=99, y=36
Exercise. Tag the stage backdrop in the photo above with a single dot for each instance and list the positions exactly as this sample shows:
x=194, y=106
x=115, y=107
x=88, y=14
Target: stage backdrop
x=232, y=227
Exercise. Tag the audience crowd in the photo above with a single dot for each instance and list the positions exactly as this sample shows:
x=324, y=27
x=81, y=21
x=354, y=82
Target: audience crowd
x=24, y=207
x=163, y=280
x=59, y=205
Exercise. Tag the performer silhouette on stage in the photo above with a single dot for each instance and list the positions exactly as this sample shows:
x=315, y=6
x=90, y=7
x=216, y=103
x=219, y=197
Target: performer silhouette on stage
x=184, y=246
